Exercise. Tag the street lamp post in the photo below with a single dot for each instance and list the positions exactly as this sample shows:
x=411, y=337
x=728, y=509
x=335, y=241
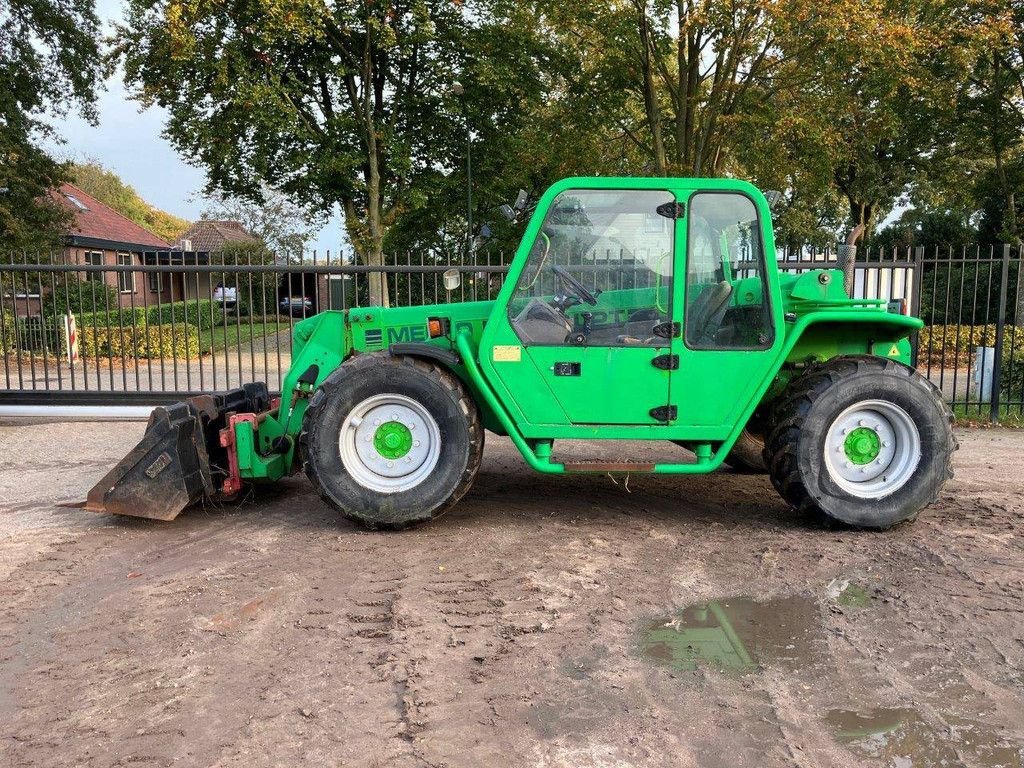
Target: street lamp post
x=459, y=91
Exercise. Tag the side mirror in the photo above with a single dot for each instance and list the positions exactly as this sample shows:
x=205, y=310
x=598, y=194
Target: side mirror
x=452, y=279
x=521, y=200
x=508, y=212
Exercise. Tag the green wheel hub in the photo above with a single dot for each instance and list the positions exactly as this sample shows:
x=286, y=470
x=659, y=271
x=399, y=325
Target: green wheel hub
x=862, y=445
x=392, y=440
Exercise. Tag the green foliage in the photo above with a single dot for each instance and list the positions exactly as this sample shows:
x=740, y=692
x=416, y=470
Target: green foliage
x=928, y=228
x=1011, y=373
x=49, y=61
x=850, y=108
x=953, y=346
x=145, y=341
x=8, y=337
x=202, y=314
x=126, y=317
x=80, y=297
x=107, y=187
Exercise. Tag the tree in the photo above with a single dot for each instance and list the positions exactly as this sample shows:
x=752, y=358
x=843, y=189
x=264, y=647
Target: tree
x=49, y=63
x=331, y=104
x=107, y=187
x=283, y=226
x=992, y=118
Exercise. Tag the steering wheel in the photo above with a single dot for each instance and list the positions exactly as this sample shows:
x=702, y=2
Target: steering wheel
x=575, y=285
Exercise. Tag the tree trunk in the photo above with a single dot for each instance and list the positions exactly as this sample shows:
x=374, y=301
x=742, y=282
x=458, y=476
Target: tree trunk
x=375, y=234
x=651, y=109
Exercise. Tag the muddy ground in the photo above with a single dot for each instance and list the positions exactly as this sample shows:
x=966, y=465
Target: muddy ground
x=543, y=622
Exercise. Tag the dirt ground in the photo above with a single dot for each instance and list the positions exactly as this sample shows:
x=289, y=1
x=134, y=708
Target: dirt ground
x=543, y=622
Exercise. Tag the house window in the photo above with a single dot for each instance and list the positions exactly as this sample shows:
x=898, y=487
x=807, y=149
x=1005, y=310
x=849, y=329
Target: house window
x=125, y=280
x=156, y=282
x=94, y=258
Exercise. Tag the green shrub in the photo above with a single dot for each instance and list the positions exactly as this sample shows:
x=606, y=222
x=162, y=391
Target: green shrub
x=150, y=342
x=125, y=317
x=80, y=297
x=202, y=313
x=7, y=334
x=1011, y=374
x=954, y=345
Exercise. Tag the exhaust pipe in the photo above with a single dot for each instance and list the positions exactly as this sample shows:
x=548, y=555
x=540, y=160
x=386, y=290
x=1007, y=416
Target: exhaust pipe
x=846, y=256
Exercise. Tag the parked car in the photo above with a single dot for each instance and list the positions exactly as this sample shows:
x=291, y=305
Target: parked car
x=296, y=306
x=225, y=298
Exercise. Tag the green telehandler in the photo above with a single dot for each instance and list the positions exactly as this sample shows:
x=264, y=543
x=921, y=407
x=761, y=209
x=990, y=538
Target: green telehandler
x=635, y=309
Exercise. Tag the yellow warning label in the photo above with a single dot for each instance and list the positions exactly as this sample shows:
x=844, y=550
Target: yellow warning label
x=509, y=354
x=894, y=350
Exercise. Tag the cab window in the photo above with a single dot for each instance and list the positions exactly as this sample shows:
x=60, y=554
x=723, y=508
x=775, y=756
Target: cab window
x=599, y=272
x=726, y=296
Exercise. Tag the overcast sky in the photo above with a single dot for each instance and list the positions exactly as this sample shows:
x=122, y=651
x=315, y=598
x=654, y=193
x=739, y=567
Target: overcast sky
x=128, y=142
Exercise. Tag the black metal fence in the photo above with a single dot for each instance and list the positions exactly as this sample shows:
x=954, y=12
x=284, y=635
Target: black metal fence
x=155, y=328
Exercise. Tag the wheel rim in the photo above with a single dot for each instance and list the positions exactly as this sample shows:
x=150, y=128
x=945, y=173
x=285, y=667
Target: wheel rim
x=872, y=449
x=389, y=443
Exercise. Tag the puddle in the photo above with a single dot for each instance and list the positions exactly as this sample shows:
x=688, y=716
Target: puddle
x=902, y=739
x=736, y=634
x=854, y=596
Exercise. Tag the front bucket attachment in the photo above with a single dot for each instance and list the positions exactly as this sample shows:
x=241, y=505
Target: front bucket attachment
x=179, y=460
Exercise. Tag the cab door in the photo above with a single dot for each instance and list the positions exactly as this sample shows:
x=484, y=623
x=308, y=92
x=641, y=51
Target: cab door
x=589, y=327
x=731, y=329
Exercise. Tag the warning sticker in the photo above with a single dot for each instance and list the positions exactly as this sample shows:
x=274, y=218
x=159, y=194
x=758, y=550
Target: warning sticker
x=507, y=354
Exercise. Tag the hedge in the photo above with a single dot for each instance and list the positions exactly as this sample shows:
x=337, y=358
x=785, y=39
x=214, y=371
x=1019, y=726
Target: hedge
x=144, y=341
x=115, y=318
x=8, y=337
x=202, y=313
x=954, y=345
x=195, y=313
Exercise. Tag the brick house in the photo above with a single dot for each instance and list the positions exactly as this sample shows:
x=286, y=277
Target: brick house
x=100, y=235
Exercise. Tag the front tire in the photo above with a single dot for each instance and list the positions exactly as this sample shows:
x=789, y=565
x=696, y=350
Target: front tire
x=863, y=440
x=391, y=441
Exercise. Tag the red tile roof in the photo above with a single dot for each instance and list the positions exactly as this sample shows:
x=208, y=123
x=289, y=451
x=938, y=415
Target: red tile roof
x=102, y=222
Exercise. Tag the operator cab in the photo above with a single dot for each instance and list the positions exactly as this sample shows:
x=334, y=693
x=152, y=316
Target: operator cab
x=599, y=272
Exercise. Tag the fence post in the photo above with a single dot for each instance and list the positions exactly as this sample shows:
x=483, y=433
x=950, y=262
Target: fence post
x=916, y=284
x=997, y=363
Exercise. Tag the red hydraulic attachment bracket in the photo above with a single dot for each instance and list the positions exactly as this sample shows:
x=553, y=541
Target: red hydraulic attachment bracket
x=233, y=482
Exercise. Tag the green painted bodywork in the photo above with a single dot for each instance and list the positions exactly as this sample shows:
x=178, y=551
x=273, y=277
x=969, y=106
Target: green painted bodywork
x=714, y=391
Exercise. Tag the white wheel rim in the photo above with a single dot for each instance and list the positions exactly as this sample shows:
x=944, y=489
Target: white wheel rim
x=360, y=442
x=872, y=449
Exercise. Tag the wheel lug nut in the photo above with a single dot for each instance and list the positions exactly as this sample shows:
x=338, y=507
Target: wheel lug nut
x=391, y=464
x=885, y=443
x=416, y=443
x=862, y=423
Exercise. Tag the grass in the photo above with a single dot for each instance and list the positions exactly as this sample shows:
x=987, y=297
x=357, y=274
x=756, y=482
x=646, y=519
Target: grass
x=238, y=332
x=978, y=416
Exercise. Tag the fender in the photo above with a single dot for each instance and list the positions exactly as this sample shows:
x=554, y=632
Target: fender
x=823, y=335
x=420, y=349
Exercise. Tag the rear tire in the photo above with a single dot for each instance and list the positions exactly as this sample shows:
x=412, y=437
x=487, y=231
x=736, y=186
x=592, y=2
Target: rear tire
x=863, y=440
x=391, y=441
